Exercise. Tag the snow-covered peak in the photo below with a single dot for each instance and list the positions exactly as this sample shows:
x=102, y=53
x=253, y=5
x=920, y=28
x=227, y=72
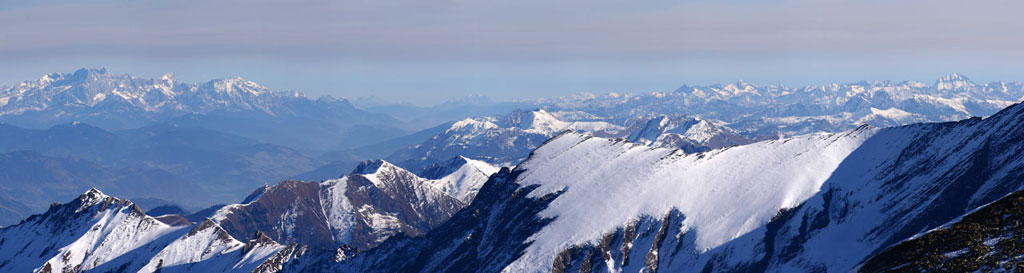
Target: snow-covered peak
x=237, y=85
x=374, y=202
x=702, y=131
x=539, y=121
x=91, y=195
x=480, y=165
x=503, y=141
x=684, y=132
x=90, y=198
x=892, y=115
x=459, y=177
x=389, y=177
x=737, y=88
x=953, y=82
x=49, y=78
x=650, y=130
x=442, y=169
x=80, y=235
x=373, y=167
x=168, y=78
x=96, y=96
x=203, y=242
x=85, y=72
x=543, y=121
x=472, y=124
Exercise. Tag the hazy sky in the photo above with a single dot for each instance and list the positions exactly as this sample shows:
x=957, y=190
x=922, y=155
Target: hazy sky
x=428, y=51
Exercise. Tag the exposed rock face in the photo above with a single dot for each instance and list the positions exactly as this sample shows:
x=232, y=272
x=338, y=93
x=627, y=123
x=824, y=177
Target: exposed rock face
x=986, y=240
x=336, y=218
x=277, y=212
x=502, y=231
x=377, y=200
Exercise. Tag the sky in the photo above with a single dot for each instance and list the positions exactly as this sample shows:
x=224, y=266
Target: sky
x=425, y=52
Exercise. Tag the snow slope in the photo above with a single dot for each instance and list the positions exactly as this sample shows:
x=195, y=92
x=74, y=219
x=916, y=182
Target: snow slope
x=89, y=231
x=207, y=247
x=905, y=181
x=633, y=181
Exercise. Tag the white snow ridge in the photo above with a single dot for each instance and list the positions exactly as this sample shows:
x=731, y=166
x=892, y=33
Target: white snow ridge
x=723, y=193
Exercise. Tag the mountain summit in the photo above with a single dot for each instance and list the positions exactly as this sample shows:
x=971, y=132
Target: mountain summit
x=954, y=81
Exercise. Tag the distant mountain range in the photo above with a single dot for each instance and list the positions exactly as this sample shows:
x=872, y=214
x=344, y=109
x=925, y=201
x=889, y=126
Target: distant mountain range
x=775, y=109
x=235, y=106
x=320, y=139
x=701, y=118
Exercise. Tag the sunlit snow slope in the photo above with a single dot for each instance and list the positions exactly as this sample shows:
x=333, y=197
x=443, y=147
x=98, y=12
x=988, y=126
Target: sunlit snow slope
x=822, y=202
x=723, y=194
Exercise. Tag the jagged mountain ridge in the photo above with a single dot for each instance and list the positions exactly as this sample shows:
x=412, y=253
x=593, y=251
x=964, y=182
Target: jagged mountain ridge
x=233, y=105
x=455, y=179
x=96, y=232
x=776, y=109
x=359, y=210
x=687, y=133
x=501, y=141
x=450, y=110
x=95, y=90
x=507, y=140
x=567, y=209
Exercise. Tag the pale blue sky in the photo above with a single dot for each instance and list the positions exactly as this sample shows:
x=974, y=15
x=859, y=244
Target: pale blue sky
x=427, y=51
